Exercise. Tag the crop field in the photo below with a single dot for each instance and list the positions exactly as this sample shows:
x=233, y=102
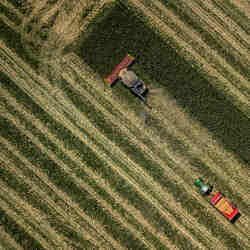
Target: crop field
x=86, y=166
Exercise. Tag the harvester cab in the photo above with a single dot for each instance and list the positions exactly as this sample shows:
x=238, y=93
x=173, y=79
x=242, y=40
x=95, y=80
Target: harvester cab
x=128, y=78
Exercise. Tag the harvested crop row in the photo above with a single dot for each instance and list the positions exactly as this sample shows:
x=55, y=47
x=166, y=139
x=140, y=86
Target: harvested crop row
x=85, y=96
x=54, y=139
x=74, y=130
x=116, y=105
x=50, y=108
x=59, y=219
x=72, y=209
x=234, y=13
x=227, y=22
x=24, y=210
x=212, y=25
x=9, y=217
x=7, y=242
x=81, y=184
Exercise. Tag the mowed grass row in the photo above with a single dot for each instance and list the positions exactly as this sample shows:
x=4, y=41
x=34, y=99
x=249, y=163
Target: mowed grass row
x=85, y=172
x=231, y=10
x=229, y=170
x=167, y=227
x=19, y=95
x=54, y=206
x=213, y=175
x=57, y=209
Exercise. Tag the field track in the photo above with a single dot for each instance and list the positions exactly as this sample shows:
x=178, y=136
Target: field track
x=81, y=168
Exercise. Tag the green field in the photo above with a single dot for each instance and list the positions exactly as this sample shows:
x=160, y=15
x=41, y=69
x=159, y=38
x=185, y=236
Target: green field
x=85, y=166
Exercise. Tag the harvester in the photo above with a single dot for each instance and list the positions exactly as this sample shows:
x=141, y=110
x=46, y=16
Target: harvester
x=218, y=201
x=128, y=78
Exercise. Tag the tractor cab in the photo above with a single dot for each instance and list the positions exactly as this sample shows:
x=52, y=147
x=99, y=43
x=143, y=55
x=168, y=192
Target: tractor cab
x=205, y=189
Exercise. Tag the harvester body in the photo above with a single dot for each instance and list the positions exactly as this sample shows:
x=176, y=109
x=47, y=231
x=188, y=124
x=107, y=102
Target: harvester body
x=128, y=78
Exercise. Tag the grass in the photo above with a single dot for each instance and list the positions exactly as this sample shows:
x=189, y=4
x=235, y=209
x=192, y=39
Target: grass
x=17, y=232
x=14, y=41
x=188, y=17
x=10, y=14
x=65, y=182
x=91, y=159
x=234, y=13
x=123, y=32
x=80, y=173
x=21, y=5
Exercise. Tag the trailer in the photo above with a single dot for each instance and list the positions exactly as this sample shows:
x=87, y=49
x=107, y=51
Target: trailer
x=224, y=206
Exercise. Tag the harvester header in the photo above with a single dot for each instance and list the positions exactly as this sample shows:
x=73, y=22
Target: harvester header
x=125, y=63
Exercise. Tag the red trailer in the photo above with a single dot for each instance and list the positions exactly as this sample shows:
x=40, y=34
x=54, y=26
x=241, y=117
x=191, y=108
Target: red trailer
x=224, y=206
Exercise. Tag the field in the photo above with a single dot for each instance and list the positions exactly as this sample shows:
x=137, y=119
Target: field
x=86, y=166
